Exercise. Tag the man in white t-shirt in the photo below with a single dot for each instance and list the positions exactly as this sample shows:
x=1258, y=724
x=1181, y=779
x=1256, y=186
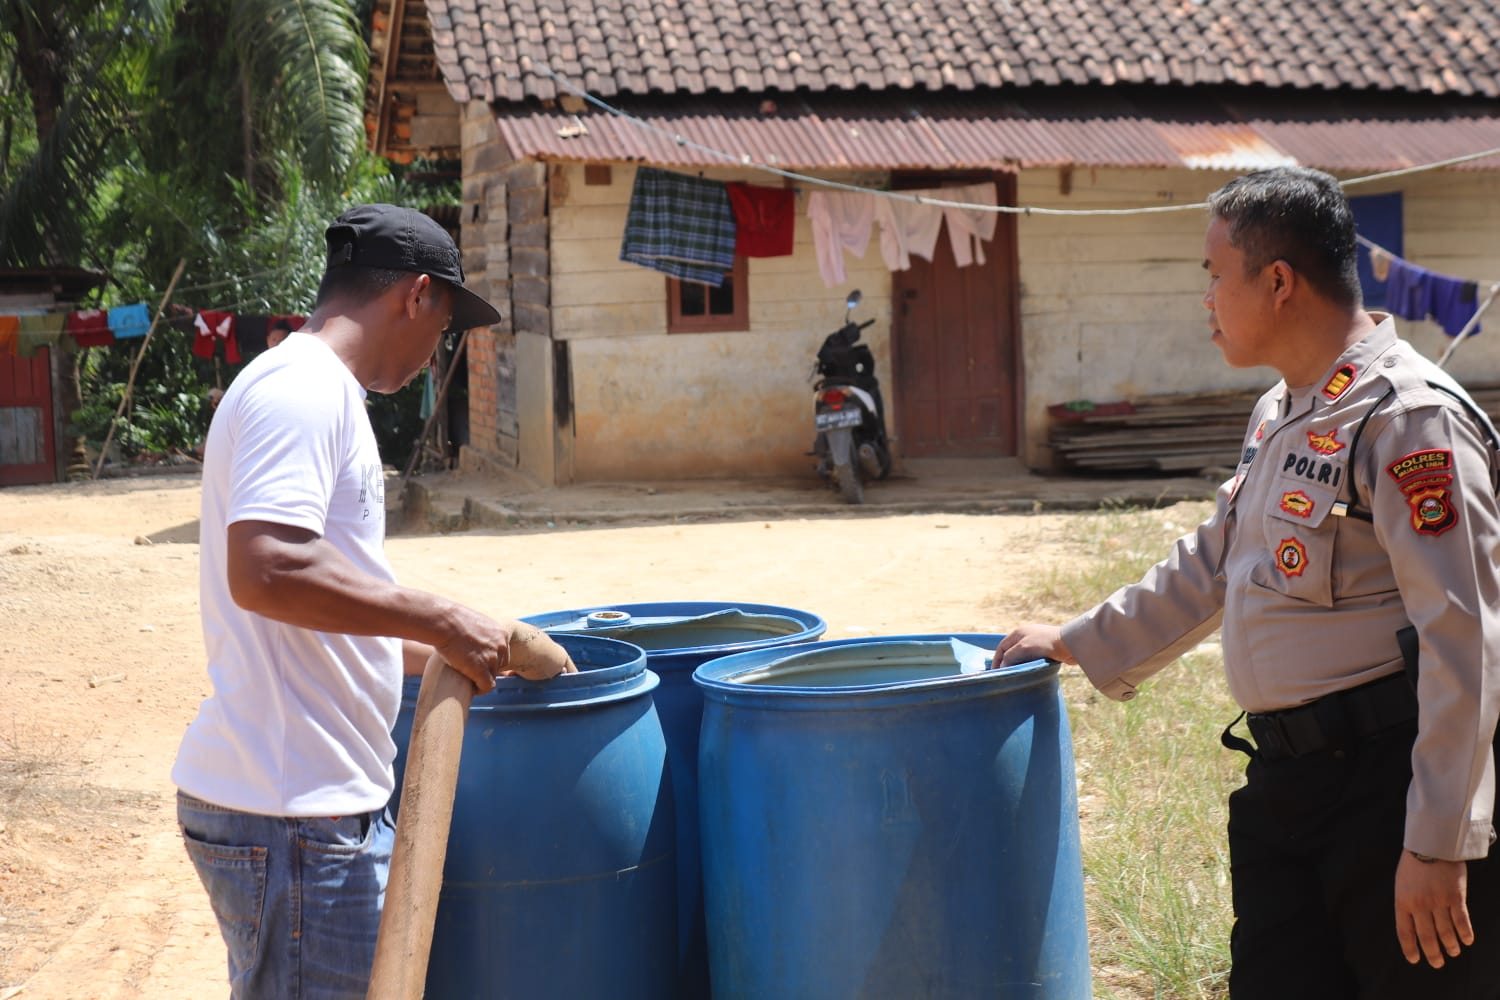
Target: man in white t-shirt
x=285, y=774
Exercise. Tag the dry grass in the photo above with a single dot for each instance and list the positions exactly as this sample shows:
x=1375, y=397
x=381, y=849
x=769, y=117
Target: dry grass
x=1153, y=781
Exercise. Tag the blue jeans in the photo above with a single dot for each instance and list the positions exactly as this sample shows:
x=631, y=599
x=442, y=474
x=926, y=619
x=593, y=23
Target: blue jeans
x=297, y=898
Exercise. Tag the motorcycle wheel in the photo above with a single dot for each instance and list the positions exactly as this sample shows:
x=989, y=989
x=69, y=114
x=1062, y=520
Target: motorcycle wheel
x=850, y=488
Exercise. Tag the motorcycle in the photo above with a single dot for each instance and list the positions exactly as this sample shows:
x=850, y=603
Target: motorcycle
x=848, y=412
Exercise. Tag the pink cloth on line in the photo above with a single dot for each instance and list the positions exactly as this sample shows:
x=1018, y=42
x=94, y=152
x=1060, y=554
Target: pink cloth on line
x=969, y=228
x=841, y=220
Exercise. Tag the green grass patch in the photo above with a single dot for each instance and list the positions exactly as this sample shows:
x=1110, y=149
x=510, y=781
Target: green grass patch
x=1153, y=781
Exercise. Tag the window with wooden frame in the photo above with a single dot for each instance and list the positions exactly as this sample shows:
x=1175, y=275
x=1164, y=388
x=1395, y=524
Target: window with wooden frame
x=697, y=308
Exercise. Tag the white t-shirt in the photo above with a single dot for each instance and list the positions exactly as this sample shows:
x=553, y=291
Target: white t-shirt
x=299, y=722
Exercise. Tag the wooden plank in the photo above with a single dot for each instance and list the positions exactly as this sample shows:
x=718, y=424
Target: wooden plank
x=20, y=435
x=1175, y=432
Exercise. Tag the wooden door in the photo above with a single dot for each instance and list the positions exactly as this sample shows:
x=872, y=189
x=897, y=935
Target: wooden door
x=955, y=345
x=26, y=454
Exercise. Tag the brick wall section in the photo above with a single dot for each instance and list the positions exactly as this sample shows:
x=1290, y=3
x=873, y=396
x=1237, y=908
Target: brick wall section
x=506, y=257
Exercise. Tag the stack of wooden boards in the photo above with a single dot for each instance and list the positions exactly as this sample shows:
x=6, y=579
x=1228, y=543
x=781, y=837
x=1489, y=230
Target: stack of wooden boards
x=1193, y=433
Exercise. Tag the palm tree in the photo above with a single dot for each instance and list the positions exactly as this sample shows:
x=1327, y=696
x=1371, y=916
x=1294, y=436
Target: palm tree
x=188, y=92
x=74, y=65
x=137, y=132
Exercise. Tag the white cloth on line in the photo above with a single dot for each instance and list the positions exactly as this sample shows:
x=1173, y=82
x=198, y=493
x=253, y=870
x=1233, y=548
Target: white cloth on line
x=906, y=228
x=970, y=228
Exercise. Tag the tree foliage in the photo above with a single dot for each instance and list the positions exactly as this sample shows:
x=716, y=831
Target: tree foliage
x=72, y=71
x=224, y=133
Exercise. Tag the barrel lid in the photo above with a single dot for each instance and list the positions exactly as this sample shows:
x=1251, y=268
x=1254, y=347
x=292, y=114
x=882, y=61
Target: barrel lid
x=667, y=629
x=870, y=666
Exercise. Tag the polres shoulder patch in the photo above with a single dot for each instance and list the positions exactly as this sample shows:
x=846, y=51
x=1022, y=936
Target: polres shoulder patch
x=1418, y=464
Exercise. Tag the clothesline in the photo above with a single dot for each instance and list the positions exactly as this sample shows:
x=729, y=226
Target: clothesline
x=693, y=228
x=745, y=160
x=1415, y=293
x=23, y=332
x=1372, y=245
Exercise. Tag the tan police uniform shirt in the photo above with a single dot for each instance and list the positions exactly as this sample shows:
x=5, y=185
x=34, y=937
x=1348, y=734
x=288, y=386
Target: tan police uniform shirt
x=1310, y=602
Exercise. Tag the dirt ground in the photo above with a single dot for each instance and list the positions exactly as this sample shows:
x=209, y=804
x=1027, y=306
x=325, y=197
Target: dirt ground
x=102, y=669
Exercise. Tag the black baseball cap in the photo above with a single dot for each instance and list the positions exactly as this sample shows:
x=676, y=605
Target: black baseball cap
x=404, y=239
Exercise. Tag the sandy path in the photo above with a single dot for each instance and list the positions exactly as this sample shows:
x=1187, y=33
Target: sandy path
x=96, y=898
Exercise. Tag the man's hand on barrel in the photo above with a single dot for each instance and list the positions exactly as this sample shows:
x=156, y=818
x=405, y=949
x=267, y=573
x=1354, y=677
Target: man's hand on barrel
x=1033, y=642
x=477, y=646
x=482, y=649
x=535, y=655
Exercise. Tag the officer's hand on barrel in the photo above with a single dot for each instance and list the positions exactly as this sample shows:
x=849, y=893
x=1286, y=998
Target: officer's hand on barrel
x=1032, y=642
x=1432, y=912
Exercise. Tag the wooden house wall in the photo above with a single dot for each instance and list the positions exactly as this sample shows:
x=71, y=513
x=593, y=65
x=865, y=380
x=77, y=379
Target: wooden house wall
x=648, y=404
x=1112, y=306
x=1111, y=309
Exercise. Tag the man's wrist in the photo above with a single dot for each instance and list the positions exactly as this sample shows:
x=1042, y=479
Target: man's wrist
x=1424, y=858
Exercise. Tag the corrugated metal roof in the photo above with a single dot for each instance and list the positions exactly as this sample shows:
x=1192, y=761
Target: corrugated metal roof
x=1050, y=130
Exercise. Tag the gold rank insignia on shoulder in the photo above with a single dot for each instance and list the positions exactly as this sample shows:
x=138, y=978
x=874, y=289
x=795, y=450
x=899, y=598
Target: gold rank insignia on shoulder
x=1341, y=380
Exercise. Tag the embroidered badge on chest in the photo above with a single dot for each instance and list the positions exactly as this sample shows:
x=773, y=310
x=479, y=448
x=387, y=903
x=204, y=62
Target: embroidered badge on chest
x=1313, y=470
x=1432, y=510
x=1325, y=444
x=1291, y=557
x=1297, y=503
x=1341, y=381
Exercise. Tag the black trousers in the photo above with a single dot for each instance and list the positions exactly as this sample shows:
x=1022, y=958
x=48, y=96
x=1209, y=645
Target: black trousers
x=1313, y=847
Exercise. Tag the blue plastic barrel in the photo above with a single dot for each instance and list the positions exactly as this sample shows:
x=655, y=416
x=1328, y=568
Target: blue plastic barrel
x=560, y=878
x=677, y=637
x=877, y=824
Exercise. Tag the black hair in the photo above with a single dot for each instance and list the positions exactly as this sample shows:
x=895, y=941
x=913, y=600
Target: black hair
x=354, y=282
x=1298, y=215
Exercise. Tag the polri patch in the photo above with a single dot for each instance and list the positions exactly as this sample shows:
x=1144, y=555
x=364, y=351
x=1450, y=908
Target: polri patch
x=1341, y=380
x=1325, y=444
x=1291, y=557
x=1432, y=510
x=1419, y=463
x=1297, y=503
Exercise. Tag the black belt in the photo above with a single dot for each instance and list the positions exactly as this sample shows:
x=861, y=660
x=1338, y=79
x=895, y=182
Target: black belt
x=1333, y=722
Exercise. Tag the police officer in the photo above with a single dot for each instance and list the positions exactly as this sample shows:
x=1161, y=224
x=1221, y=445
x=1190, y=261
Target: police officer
x=1351, y=563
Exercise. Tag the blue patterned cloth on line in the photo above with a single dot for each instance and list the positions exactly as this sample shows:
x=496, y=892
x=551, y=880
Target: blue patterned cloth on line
x=130, y=321
x=679, y=225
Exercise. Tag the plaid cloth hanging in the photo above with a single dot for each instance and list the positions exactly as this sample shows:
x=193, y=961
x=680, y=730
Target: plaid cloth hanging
x=679, y=225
